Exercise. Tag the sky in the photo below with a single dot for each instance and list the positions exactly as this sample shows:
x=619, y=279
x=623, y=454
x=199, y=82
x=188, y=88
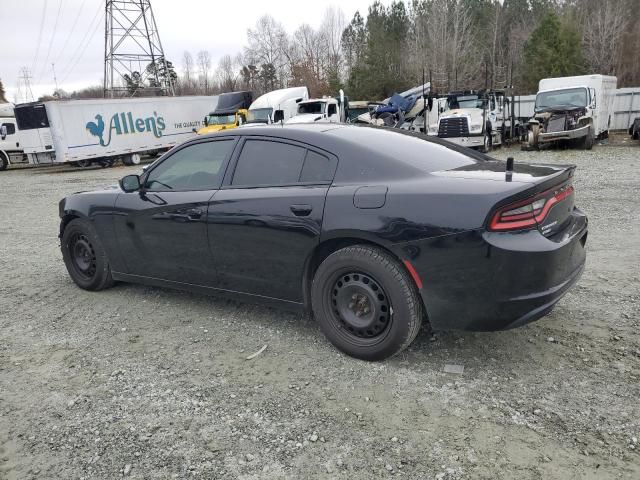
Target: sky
x=70, y=34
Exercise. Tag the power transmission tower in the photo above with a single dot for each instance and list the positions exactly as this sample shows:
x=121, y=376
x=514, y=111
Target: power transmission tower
x=134, y=60
x=24, y=86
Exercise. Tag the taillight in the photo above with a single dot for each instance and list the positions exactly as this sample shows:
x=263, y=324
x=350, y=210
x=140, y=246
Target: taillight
x=528, y=213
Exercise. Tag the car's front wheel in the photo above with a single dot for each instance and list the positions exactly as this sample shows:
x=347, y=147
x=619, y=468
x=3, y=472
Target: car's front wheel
x=85, y=257
x=366, y=303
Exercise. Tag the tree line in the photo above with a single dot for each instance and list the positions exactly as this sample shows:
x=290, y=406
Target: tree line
x=457, y=44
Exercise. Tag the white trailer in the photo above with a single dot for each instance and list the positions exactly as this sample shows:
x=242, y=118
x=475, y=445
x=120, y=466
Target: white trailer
x=578, y=109
x=286, y=100
x=104, y=130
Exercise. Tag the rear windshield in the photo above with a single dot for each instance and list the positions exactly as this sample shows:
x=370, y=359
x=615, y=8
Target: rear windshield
x=404, y=147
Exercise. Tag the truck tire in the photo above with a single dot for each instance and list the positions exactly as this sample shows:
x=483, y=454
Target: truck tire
x=366, y=303
x=83, y=163
x=4, y=161
x=586, y=143
x=85, y=257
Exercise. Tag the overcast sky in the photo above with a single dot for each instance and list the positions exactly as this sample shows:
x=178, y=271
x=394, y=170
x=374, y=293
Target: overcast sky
x=74, y=38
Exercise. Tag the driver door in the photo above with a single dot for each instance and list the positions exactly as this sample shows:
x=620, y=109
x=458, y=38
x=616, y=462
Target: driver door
x=161, y=229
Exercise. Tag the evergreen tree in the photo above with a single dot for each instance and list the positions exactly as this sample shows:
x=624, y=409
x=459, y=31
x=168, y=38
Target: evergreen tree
x=553, y=50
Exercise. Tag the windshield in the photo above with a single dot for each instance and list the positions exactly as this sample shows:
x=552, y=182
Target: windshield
x=221, y=119
x=464, y=101
x=314, y=107
x=260, y=115
x=571, y=97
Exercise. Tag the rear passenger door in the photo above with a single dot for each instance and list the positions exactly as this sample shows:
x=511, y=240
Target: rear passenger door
x=267, y=217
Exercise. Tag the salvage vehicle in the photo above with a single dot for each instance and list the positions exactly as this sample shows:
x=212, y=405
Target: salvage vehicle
x=10, y=149
x=372, y=230
x=83, y=132
x=634, y=129
x=284, y=100
x=572, y=110
x=230, y=112
x=322, y=110
x=473, y=118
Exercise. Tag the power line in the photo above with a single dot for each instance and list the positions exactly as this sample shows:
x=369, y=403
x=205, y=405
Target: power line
x=44, y=13
x=84, y=47
x=53, y=36
x=73, y=28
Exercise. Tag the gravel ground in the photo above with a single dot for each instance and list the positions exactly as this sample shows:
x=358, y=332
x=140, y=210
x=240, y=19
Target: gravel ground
x=150, y=383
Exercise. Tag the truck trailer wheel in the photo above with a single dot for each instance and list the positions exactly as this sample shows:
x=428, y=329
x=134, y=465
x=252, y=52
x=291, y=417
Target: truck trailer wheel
x=4, y=161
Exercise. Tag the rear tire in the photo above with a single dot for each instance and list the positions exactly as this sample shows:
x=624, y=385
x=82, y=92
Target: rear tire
x=366, y=303
x=83, y=163
x=4, y=162
x=85, y=257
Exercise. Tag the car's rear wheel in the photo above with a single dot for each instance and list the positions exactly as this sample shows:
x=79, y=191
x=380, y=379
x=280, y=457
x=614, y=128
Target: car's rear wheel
x=366, y=303
x=85, y=257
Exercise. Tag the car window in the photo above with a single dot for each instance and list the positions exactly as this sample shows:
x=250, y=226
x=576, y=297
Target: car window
x=11, y=128
x=316, y=169
x=332, y=109
x=196, y=167
x=264, y=162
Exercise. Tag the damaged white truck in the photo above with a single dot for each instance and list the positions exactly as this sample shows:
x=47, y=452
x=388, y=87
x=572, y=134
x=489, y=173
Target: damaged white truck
x=571, y=110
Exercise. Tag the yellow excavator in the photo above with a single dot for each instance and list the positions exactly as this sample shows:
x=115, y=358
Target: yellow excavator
x=230, y=112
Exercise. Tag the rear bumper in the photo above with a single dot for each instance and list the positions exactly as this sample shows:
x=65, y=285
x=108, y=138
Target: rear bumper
x=487, y=281
x=563, y=135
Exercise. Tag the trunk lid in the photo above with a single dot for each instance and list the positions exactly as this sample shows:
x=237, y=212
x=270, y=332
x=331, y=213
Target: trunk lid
x=548, y=187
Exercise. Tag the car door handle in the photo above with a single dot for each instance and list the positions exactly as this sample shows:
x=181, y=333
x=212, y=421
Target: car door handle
x=301, y=210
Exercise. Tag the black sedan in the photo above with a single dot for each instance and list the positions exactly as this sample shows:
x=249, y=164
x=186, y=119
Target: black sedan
x=371, y=230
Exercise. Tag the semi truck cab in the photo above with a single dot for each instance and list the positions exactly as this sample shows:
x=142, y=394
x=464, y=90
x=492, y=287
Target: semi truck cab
x=217, y=121
x=10, y=148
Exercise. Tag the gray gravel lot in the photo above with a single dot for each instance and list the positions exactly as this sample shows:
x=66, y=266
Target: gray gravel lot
x=150, y=383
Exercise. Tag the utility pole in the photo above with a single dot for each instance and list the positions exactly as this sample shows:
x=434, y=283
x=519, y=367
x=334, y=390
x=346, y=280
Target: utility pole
x=131, y=44
x=55, y=80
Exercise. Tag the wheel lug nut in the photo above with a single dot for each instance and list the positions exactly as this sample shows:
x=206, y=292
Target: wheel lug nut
x=351, y=305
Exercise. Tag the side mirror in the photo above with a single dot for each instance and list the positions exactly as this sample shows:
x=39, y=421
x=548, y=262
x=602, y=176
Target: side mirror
x=278, y=116
x=206, y=121
x=3, y=132
x=130, y=183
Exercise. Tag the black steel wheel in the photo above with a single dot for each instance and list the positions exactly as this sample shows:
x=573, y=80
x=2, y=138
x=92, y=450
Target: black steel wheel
x=84, y=256
x=360, y=306
x=366, y=303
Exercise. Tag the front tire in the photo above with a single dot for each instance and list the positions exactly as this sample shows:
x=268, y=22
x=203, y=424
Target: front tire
x=366, y=303
x=4, y=162
x=85, y=257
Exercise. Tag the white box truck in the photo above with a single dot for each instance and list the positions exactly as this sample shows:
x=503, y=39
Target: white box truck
x=10, y=149
x=104, y=130
x=572, y=109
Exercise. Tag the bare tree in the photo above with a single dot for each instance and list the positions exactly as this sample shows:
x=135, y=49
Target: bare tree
x=603, y=30
x=227, y=74
x=204, y=68
x=187, y=67
x=268, y=44
x=330, y=33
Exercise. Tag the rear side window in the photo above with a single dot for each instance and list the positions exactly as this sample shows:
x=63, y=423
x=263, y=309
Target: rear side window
x=316, y=169
x=264, y=162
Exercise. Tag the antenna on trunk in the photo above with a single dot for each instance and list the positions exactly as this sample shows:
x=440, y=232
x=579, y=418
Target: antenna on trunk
x=509, y=170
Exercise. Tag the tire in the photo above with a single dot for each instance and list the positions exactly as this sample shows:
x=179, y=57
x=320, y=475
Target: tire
x=361, y=277
x=4, y=162
x=587, y=142
x=83, y=163
x=85, y=257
